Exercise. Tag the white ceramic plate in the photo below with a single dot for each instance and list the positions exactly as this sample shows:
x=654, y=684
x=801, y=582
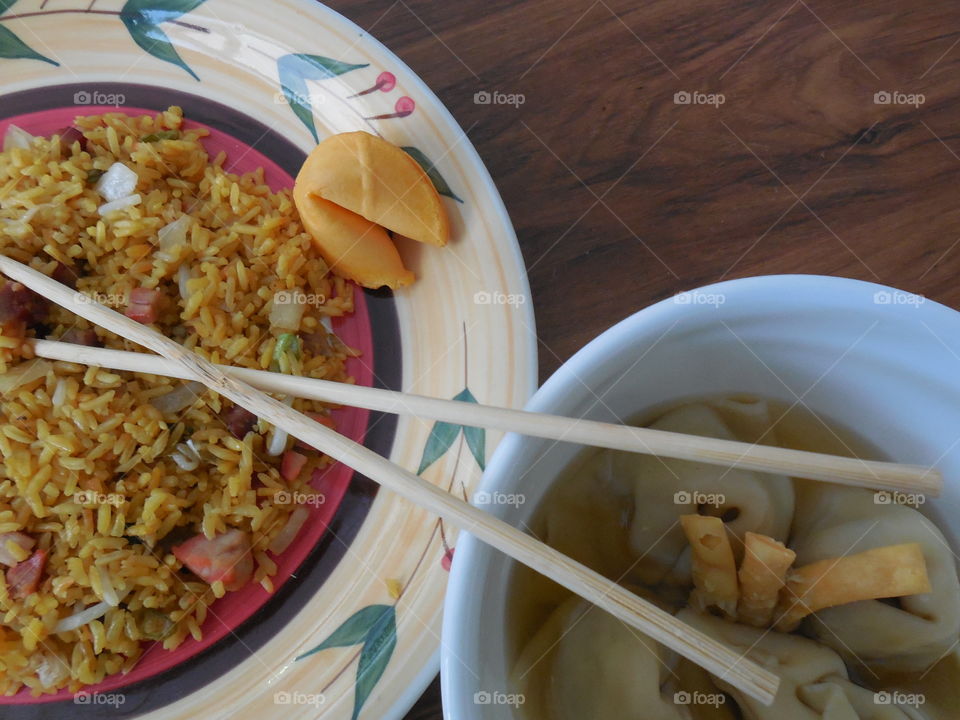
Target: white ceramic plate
x=269, y=79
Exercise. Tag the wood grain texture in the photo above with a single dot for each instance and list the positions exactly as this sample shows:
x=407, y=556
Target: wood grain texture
x=621, y=197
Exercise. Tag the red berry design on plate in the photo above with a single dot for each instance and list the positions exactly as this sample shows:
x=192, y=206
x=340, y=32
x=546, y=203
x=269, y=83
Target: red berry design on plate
x=403, y=107
x=447, y=559
x=386, y=81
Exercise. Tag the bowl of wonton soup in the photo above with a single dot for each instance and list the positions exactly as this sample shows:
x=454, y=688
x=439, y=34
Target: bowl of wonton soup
x=811, y=362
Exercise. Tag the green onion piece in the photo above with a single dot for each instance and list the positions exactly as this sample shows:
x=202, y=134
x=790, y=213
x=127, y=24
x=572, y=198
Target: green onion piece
x=161, y=135
x=154, y=624
x=94, y=175
x=285, y=351
x=287, y=343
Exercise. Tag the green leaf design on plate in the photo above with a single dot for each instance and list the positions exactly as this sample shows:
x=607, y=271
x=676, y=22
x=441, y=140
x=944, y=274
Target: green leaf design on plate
x=160, y=11
x=12, y=47
x=142, y=19
x=443, y=434
x=377, y=651
x=476, y=437
x=476, y=441
x=376, y=627
x=352, y=631
x=431, y=170
x=294, y=71
x=441, y=438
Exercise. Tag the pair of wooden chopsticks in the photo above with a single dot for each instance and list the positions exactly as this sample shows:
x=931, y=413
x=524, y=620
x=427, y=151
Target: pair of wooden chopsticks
x=727, y=453
x=658, y=624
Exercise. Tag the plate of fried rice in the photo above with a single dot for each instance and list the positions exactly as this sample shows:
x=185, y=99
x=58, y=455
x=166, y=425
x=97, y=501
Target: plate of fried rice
x=164, y=553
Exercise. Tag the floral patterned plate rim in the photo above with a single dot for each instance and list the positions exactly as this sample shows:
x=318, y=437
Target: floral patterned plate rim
x=352, y=630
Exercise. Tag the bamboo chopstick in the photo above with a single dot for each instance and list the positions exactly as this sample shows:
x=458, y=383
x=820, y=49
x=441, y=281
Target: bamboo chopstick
x=660, y=625
x=728, y=453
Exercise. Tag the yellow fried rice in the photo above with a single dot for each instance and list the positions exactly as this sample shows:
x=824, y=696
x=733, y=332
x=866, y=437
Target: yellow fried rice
x=87, y=458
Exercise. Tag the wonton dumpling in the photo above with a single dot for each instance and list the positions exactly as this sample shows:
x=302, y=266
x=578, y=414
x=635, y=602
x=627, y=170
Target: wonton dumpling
x=939, y=687
x=813, y=679
x=844, y=699
x=587, y=520
x=761, y=503
x=910, y=635
x=693, y=679
x=584, y=663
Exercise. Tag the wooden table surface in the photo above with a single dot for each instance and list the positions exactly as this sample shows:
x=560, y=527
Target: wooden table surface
x=819, y=137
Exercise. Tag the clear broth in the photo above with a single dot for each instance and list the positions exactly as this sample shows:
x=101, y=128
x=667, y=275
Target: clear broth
x=597, y=535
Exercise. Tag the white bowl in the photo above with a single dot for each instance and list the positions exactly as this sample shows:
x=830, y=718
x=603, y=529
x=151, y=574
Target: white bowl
x=881, y=362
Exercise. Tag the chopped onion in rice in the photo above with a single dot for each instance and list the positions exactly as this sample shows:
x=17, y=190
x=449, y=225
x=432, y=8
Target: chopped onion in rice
x=178, y=399
x=121, y=204
x=289, y=531
x=183, y=275
x=17, y=137
x=94, y=612
x=186, y=457
x=111, y=599
x=287, y=309
x=51, y=669
x=59, y=393
x=185, y=462
x=109, y=592
x=25, y=372
x=28, y=215
x=117, y=182
x=278, y=437
x=23, y=542
x=278, y=442
x=174, y=234
x=21, y=225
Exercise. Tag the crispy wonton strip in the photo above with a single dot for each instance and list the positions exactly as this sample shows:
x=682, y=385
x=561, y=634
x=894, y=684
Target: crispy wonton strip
x=714, y=568
x=763, y=573
x=886, y=572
